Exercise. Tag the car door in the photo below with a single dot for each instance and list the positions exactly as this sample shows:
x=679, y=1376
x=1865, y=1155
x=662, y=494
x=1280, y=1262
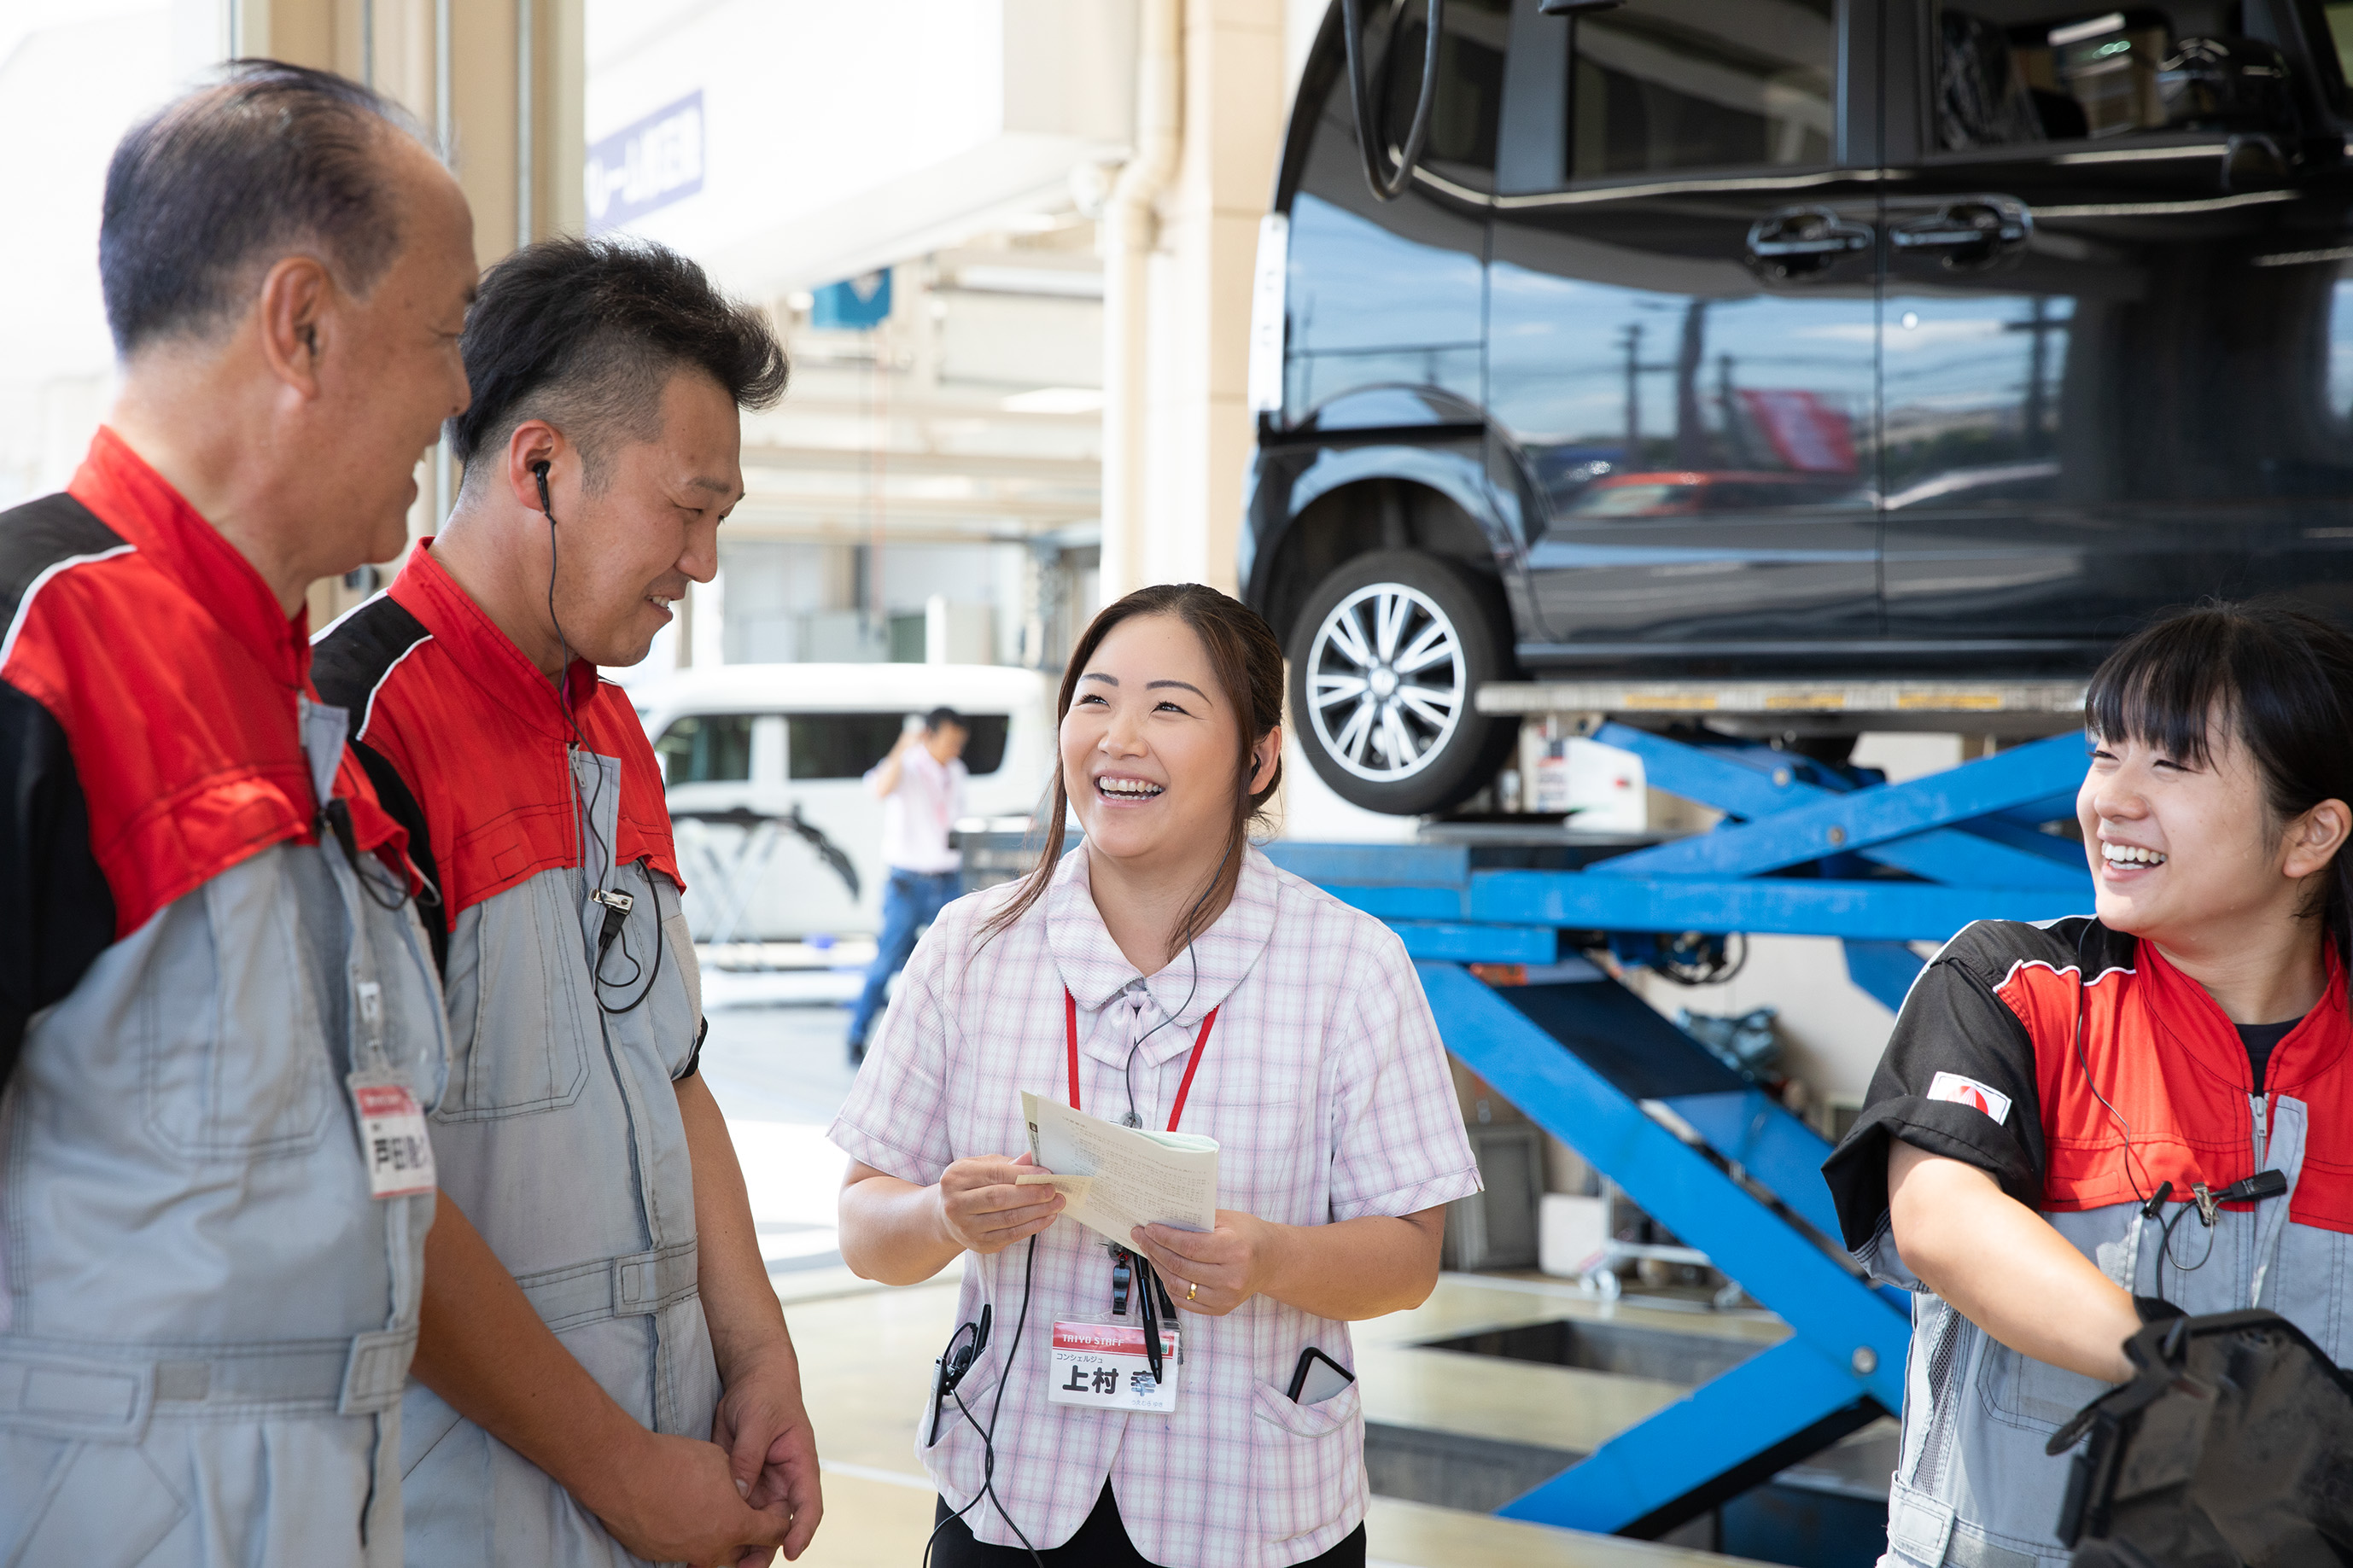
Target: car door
x=2112, y=378
x=1680, y=339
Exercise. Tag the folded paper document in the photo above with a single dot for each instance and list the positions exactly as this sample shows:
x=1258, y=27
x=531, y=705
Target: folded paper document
x=1116, y=1178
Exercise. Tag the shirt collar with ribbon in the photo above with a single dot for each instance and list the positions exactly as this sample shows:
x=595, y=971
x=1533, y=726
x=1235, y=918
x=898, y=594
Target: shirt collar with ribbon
x=1097, y=973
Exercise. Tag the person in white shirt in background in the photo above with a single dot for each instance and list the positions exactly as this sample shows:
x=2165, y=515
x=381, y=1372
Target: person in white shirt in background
x=921, y=786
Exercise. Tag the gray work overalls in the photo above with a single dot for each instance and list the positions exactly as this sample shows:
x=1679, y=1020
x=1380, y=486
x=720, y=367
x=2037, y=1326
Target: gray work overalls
x=208, y=1318
x=1973, y=1487
x=560, y=1137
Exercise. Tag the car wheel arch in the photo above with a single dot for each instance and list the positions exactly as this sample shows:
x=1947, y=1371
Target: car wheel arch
x=1432, y=511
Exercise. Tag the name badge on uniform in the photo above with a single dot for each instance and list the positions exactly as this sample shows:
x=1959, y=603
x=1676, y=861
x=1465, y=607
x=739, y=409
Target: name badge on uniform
x=394, y=1144
x=1103, y=1367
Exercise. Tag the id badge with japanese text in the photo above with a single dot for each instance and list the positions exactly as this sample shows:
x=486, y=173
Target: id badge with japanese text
x=394, y=1143
x=1103, y=1367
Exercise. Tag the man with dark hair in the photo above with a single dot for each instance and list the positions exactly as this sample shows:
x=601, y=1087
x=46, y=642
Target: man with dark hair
x=921, y=784
x=219, y=1023
x=604, y=1373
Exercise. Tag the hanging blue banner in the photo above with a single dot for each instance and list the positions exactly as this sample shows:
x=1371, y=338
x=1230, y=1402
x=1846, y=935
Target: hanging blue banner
x=854, y=304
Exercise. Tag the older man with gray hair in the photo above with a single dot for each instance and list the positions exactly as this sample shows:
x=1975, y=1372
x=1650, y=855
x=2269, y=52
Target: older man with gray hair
x=220, y=1026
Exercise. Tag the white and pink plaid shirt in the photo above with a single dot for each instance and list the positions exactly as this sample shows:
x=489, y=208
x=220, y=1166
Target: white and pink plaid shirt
x=1327, y=1092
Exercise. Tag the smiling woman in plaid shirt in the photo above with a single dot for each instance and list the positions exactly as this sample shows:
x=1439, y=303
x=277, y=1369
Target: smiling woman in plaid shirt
x=1321, y=1076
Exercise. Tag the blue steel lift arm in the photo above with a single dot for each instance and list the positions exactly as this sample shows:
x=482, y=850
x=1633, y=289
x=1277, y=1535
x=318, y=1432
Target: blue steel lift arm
x=1953, y=847
x=1869, y=820
x=1843, y=1362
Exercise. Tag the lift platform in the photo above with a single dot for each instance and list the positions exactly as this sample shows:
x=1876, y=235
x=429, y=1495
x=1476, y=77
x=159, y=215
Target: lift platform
x=2007, y=708
x=1805, y=847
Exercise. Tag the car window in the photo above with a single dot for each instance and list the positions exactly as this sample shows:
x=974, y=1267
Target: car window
x=2339, y=43
x=707, y=748
x=2008, y=73
x=844, y=745
x=1663, y=86
x=1462, y=116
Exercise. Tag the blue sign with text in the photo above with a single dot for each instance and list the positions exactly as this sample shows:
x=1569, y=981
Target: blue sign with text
x=646, y=166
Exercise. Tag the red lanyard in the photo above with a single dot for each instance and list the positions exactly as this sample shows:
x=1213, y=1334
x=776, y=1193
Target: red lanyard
x=1070, y=1033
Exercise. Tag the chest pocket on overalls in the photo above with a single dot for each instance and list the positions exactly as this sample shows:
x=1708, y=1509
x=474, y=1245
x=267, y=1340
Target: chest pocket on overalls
x=2032, y=1394
x=233, y=1036
x=523, y=1045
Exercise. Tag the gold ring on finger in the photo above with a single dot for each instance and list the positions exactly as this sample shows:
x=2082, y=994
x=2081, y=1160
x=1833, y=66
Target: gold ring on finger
x=1193, y=1290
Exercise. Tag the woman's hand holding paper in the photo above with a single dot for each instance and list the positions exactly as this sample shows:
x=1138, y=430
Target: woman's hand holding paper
x=981, y=1209
x=1213, y=1271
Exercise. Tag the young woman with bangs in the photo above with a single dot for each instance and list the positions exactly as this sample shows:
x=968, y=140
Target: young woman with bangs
x=1164, y=974
x=2059, y=1140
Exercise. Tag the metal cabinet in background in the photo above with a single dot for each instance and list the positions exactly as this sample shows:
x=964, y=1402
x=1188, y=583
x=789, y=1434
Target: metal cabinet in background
x=1496, y=1228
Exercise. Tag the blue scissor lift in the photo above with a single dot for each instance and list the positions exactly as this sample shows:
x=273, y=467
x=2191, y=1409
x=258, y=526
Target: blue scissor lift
x=1805, y=848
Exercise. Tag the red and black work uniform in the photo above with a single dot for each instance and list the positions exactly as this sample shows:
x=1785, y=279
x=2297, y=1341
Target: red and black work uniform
x=217, y=1014
x=574, y=1006
x=2004, y=1052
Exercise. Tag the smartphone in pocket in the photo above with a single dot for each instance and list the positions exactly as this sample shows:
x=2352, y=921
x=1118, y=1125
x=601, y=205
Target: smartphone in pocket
x=1317, y=1378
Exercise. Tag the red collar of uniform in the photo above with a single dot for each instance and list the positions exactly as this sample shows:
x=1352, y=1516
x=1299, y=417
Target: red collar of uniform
x=130, y=496
x=425, y=590
x=2185, y=1011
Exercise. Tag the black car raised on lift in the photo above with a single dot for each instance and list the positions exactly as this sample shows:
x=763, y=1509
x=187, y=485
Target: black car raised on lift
x=1787, y=338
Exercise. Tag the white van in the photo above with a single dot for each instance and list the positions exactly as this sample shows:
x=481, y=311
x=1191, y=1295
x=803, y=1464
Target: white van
x=745, y=746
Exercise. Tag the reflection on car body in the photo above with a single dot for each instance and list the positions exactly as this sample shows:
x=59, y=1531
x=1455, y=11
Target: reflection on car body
x=1684, y=492
x=1994, y=484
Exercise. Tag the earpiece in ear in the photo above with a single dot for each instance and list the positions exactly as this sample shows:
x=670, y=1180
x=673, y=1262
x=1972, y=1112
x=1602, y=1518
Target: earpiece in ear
x=539, y=472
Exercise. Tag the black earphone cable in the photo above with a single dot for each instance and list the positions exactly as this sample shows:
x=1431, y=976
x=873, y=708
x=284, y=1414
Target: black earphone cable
x=2252, y=1187
x=2082, y=992
x=957, y=1367
x=2148, y=1206
x=2165, y=1249
x=988, y=1433
x=597, y=791
x=1127, y=1068
x=622, y=932
x=1145, y=1280
x=555, y=561
x=383, y=891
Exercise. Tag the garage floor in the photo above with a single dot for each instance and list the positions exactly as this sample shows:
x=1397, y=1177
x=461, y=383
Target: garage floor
x=865, y=1355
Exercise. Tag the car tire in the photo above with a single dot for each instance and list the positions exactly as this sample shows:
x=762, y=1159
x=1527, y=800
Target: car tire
x=1409, y=742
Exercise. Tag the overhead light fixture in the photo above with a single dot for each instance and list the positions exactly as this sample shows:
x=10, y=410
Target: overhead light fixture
x=1063, y=282
x=1056, y=400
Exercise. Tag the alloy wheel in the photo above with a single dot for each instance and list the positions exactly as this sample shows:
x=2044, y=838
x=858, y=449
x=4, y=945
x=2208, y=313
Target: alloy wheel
x=1386, y=682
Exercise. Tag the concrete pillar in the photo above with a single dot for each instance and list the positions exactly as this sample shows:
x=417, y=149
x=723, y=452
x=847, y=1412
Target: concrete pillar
x=515, y=137
x=501, y=82
x=1195, y=437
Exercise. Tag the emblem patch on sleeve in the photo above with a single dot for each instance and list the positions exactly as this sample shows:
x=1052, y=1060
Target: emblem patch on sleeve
x=1969, y=1091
